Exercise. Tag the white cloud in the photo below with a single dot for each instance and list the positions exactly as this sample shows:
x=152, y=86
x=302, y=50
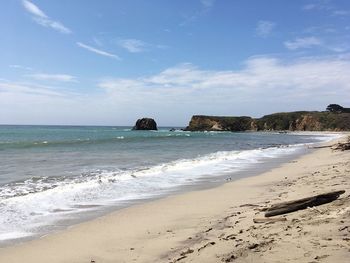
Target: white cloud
x=42, y=19
x=334, y=45
x=306, y=42
x=246, y=91
x=263, y=85
x=133, y=45
x=138, y=46
x=341, y=12
x=319, y=5
x=53, y=77
x=339, y=47
x=264, y=28
x=309, y=6
x=326, y=6
x=56, y=25
x=28, y=103
x=206, y=6
x=24, y=88
x=30, y=7
x=98, y=51
x=207, y=3
x=15, y=66
x=259, y=74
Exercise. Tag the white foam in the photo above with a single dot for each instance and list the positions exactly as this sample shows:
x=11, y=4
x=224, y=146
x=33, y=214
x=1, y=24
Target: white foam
x=322, y=136
x=14, y=235
x=36, y=203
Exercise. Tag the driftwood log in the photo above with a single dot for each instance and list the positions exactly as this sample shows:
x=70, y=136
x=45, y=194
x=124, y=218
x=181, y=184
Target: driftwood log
x=269, y=220
x=320, y=147
x=342, y=146
x=295, y=205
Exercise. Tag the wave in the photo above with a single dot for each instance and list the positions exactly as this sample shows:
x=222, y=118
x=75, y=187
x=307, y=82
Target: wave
x=31, y=205
x=136, y=136
x=4, y=145
x=35, y=205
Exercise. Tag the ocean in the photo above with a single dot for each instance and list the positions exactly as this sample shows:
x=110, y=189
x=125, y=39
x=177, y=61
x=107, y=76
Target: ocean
x=55, y=176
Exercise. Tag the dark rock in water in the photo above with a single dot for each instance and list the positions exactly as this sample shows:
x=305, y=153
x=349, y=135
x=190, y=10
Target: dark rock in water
x=145, y=124
x=172, y=129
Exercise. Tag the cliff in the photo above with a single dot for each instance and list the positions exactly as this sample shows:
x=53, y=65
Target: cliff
x=291, y=121
x=215, y=123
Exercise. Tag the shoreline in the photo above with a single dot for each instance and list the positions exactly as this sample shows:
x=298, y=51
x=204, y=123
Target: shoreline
x=163, y=228
x=182, y=174
x=204, y=183
x=259, y=160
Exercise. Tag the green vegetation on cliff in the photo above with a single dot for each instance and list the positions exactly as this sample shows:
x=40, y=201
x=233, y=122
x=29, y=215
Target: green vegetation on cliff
x=305, y=121
x=216, y=123
x=291, y=121
x=337, y=108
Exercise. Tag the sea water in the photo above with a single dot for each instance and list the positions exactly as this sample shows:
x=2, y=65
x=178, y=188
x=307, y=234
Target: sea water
x=54, y=176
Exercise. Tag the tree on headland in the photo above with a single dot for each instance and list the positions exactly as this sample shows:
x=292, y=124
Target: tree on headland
x=335, y=108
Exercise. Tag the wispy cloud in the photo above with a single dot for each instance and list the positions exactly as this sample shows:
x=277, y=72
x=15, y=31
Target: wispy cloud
x=264, y=28
x=341, y=12
x=98, y=51
x=53, y=77
x=56, y=25
x=318, y=5
x=42, y=19
x=326, y=6
x=339, y=48
x=30, y=103
x=321, y=30
x=306, y=42
x=25, y=88
x=338, y=45
x=15, y=66
x=208, y=3
x=206, y=6
x=309, y=7
x=133, y=45
x=30, y=7
x=138, y=46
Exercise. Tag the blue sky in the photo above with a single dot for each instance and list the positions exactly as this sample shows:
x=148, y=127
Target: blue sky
x=110, y=62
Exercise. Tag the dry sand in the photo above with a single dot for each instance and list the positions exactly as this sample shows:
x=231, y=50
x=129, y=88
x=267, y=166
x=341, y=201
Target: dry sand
x=216, y=225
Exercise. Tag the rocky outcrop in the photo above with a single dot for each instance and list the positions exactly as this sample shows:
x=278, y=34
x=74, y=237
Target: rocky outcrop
x=291, y=121
x=307, y=123
x=214, y=123
x=204, y=123
x=145, y=124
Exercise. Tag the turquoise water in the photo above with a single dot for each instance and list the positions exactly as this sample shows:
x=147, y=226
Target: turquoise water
x=51, y=174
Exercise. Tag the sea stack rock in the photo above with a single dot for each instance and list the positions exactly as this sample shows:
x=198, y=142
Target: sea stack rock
x=145, y=124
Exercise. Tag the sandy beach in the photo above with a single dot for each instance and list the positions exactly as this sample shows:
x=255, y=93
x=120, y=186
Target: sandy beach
x=216, y=225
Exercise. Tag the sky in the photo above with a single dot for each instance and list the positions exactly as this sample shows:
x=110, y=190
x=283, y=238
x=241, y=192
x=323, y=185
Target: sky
x=111, y=62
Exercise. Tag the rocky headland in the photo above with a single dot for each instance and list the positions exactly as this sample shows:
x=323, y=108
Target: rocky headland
x=285, y=121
